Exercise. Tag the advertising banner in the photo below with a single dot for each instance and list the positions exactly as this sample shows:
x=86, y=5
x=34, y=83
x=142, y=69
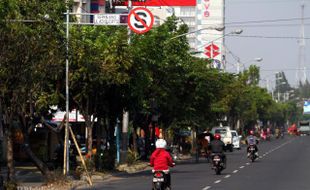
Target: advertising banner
x=306, y=107
x=156, y=3
x=210, y=13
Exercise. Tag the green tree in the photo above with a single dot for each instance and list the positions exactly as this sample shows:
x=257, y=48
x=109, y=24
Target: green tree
x=29, y=47
x=100, y=65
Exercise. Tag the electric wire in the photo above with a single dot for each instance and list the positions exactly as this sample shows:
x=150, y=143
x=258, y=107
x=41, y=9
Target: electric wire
x=272, y=37
x=267, y=21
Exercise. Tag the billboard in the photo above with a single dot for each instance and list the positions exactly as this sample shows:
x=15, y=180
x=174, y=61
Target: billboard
x=306, y=107
x=155, y=2
x=210, y=13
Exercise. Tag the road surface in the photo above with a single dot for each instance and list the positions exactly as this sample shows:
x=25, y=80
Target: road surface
x=284, y=164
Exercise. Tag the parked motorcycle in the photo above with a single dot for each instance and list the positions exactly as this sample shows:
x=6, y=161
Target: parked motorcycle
x=174, y=152
x=252, y=153
x=218, y=164
x=160, y=178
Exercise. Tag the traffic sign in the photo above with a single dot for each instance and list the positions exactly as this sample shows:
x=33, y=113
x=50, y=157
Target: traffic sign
x=140, y=20
x=110, y=19
x=212, y=50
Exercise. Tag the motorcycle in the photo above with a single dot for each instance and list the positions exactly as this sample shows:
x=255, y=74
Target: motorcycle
x=160, y=180
x=174, y=152
x=252, y=153
x=218, y=164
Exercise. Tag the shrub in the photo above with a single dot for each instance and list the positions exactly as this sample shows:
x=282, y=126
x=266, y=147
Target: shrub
x=132, y=157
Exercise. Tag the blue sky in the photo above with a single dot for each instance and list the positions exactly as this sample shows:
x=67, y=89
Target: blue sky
x=270, y=37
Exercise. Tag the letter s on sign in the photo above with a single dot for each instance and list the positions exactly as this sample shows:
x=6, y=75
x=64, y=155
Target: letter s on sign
x=138, y=24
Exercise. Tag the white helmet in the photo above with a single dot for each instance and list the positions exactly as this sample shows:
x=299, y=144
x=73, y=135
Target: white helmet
x=161, y=143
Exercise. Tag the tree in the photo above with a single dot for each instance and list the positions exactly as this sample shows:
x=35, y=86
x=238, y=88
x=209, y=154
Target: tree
x=100, y=62
x=28, y=49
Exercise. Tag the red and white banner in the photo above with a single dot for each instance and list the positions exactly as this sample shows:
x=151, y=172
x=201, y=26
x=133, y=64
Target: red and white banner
x=156, y=3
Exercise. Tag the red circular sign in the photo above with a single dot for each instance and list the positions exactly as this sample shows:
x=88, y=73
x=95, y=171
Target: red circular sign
x=140, y=20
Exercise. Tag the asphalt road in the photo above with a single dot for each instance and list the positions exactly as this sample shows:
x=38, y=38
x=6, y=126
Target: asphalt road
x=284, y=164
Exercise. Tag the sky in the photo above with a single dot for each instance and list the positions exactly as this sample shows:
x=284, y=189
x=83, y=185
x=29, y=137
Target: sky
x=273, y=37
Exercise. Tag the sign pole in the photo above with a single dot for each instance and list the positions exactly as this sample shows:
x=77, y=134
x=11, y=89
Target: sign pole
x=66, y=141
x=125, y=120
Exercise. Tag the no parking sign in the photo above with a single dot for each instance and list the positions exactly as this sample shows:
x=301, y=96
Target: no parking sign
x=140, y=20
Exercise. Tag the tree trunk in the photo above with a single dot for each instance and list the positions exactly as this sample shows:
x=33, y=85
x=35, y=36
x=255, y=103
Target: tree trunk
x=37, y=162
x=1, y=138
x=134, y=140
x=89, y=137
x=98, y=144
x=99, y=135
x=9, y=155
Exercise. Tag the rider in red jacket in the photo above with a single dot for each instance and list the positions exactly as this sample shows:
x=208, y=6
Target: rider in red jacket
x=161, y=159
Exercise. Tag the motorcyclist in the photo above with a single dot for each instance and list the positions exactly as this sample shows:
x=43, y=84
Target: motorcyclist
x=217, y=147
x=252, y=140
x=162, y=160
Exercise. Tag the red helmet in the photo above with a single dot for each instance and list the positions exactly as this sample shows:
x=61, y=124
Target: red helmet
x=217, y=136
x=251, y=132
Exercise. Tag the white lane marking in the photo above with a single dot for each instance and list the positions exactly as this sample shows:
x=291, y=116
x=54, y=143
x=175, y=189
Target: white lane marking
x=235, y=171
x=261, y=157
x=247, y=163
x=227, y=176
x=206, y=188
x=241, y=167
x=218, y=181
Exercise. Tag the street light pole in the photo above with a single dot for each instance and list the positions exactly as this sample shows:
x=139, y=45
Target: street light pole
x=257, y=59
x=66, y=141
x=218, y=28
x=237, y=32
x=125, y=121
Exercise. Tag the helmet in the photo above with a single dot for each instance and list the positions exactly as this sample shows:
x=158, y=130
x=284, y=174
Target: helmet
x=251, y=132
x=161, y=143
x=217, y=136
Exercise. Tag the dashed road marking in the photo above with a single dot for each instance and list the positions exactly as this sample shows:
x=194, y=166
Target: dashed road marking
x=235, y=171
x=206, y=188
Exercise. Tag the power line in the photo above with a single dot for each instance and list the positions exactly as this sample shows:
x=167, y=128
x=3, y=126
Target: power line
x=286, y=69
x=272, y=37
x=260, y=36
x=267, y=21
x=268, y=25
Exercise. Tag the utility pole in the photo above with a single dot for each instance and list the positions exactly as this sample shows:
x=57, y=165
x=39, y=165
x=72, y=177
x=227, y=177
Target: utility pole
x=223, y=60
x=301, y=57
x=66, y=140
x=125, y=121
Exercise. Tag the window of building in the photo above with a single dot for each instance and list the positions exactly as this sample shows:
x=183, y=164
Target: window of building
x=188, y=11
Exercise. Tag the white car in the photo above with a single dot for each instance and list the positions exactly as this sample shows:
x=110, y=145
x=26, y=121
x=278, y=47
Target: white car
x=226, y=136
x=236, y=139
